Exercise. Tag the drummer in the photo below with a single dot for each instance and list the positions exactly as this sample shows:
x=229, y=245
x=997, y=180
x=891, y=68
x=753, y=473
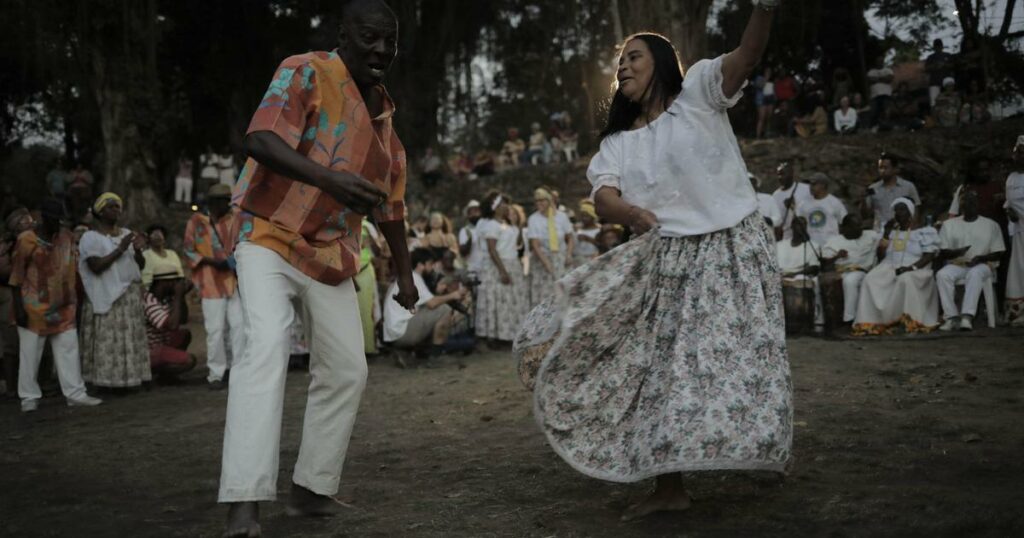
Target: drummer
x=854, y=253
x=799, y=262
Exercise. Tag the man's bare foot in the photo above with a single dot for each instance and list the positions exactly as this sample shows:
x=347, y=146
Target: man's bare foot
x=669, y=496
x=305, y=503
x=243, y=520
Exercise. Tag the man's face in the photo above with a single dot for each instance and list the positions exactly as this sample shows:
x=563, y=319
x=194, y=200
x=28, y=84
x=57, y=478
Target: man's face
x=368, y=42
x=886, y=170
x=219, y=206
x=970, y=204
x=473, y=214
x=819, y=190
x=785, y=174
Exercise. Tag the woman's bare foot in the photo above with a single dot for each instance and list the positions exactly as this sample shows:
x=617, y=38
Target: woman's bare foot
x=669, y=496
x=305, y=503
x=243, y=520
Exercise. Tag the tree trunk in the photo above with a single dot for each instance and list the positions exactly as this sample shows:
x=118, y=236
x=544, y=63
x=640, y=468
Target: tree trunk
x=683, y=22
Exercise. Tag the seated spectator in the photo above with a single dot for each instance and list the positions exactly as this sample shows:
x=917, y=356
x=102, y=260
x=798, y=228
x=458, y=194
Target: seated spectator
x=972, y=246
x=901, y=289
x=166, y=312
x=766, y=204
x=539, y=150
x=568, y=137
x=159, y=258
x=815, y=122
x=43, y=288
x=484, y=164
x=439, y=235
x=431, y=168
x=947, y=105
x=434, y=317
x=845, y=117
x=854, y=253
x=879, y=195
x=822, y=212
x=512, y=150
x=798, y=262
x=461, y=164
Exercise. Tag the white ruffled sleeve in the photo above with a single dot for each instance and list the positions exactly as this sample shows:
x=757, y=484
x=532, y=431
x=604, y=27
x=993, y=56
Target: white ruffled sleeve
x=605, y=168
x=704, y=80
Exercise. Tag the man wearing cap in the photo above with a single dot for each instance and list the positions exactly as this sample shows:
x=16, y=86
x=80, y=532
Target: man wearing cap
x=164, y=305
x=1015, y=213
x=17, y=221
x=880, y=195
x=322, y=155
x=471, y=246
x=823, y=212
x=43, y=281
x=209, y=247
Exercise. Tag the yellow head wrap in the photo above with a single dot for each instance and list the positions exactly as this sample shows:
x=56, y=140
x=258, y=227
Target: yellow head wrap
x=543, y=194
x=587, y=208
x=104, y=200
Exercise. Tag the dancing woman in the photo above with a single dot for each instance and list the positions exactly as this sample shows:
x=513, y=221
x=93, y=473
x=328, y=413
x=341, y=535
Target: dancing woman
x=668, y=353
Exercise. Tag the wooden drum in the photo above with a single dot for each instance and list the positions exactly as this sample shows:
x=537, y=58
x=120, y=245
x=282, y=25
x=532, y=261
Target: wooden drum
x=798, y=302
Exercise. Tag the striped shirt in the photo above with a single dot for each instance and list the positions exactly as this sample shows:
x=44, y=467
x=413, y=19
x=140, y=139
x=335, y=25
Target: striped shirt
x=315, y=107
x=157, y=314
x=201, y=241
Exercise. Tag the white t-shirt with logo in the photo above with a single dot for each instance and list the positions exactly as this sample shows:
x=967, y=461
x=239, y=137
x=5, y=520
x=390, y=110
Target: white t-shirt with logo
x=823, y=218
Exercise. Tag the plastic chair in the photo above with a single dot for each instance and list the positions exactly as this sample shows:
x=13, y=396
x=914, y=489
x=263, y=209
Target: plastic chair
x=988, y=294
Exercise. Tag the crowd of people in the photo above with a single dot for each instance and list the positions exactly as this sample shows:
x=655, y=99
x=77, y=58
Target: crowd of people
x=945, y=90
x=886, y=264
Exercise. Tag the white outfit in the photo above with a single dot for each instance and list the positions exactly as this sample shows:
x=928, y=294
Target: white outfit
x=227, y=173
x=105, y=288
x=845, y=122
x=396, y=317
x=881, y=201
x=823, y=218
x=209, y=171
x=685, y=166
x=879, y=88
x=1015, y=272
x=803, y=195
x=982, y=237
x=218, y=314
x=65, y=358
x=860, y=258
x=583, y=251
x=769, y=208
x=478, y=250
x=886, y=298
x=537, y=228
x=252, y=432
x=183, y=190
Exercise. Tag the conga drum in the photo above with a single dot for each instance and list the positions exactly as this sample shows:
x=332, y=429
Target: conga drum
x=831, y=284
x=798, y=303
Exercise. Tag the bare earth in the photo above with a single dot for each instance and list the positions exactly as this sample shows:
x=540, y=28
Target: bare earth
x=894, y=437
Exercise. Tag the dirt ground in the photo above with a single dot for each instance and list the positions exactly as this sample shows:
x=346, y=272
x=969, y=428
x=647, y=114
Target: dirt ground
x=894, y=437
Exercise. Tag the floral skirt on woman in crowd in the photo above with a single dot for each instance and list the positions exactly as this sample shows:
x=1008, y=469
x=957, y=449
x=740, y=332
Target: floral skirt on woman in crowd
x=114, y=347
x=500, y=308
x=665, y=355
x=542, y=283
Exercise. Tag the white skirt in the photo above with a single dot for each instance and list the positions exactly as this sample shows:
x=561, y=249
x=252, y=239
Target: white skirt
x=887, y=300
x=500, y=308
x=1015, y=279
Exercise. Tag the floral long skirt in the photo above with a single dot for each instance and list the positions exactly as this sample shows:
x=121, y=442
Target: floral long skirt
x=1015, y=280
x=500, y=308
x=542, y=283
x=665, y=355
x=114, y=348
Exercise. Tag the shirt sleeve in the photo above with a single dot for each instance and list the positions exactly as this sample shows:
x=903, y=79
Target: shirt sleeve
x=490, y=230
x=840, y=210
x=536, y=227
x=703, y=82
x=189, y=245
x=565, y=225
x=285, y=105
x=91, y=245
x=605, y=168
x=996, y=243
x=22, y=255
x=393, y=209
x=945, y=239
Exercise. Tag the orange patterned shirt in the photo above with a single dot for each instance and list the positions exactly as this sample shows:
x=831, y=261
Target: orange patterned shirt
x=45, y=273
x=201, y=241
x=315, y=107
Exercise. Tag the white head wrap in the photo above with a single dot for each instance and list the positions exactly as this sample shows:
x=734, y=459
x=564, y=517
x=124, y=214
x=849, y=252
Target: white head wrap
x=906, y=201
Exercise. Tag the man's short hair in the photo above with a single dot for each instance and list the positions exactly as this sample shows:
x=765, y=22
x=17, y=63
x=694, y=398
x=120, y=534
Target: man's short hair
x=421, y=255
x=893, y=160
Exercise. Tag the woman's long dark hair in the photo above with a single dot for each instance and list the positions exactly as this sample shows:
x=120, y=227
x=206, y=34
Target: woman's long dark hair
x=666, y=82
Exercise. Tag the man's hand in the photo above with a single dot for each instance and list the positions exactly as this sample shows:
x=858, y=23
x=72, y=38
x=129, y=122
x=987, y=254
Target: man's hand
x=975, y=261
x=904, y=269
x=138, y=241
x=842, y=254
x=407, y=295
x=353, y=191
x=126, y=242
x=505, y=278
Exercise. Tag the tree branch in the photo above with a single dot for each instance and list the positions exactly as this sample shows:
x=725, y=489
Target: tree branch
x=1007, y=18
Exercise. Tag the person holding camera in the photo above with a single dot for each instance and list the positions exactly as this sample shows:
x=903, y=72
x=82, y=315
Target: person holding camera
x=209, y=249
x=880, y=195
x=430, y=323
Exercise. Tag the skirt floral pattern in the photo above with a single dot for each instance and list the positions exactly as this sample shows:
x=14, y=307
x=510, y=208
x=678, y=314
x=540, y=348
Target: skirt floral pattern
x=500, y=308
x=542, y=283
x=665, y=355
x=114, y=348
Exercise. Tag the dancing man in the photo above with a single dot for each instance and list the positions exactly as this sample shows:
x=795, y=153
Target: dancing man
x=668, y=353
x=322, y=154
